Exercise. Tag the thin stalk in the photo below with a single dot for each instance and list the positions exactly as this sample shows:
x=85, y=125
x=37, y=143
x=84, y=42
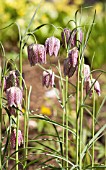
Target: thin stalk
x=105, y=150
x=20, y=63
x=77, y=109
x=63, y=101
x=26, y=128
x=17, y=128
x=67, y=114
x=1, y=95
x=93, y=128
x=20, y=82
x=81, y=116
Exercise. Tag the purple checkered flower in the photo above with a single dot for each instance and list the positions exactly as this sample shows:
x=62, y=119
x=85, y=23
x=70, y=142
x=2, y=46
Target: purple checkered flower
x=70, y=63
x=13, y=138
x=52, y=46
x=65, y=35
x=95, y=84
x=14, y=96
x=36, y=54
x=48, y=78
x=76, y=36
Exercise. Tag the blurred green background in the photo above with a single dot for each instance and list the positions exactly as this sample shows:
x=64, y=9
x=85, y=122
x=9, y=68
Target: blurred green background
x=57, y=12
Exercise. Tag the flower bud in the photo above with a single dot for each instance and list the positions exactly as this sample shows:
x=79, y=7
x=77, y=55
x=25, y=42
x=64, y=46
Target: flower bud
x=48, y=78
x=36, y=54
x=13, y=138
x=14, y=96
x=52, y=46
x=65, y=35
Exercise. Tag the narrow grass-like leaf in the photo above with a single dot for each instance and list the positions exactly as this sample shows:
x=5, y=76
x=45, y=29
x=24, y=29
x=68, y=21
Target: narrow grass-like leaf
x=91, y=141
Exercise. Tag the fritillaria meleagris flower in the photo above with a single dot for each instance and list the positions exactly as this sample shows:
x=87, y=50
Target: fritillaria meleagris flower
x=13, y=138
x=65, y=35
x=11, y=80
x=52, y=46
x=86, y=72
x=70, y=63
x=48, y=78
x=14, y=96
x=36, y=54
x=90, y=84
x=96, y=86
x=76, y=35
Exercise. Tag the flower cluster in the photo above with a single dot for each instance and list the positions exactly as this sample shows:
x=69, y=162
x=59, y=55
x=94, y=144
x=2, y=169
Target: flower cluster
x=71, y=41
x=14, y=100
x=37, y=54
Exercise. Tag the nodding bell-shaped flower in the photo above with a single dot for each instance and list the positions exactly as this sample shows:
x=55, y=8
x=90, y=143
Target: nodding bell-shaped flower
x=86, y=72
x=65, y=35
x=14, y=96
x=48, y=78
x=12, y=79
x=52, y=46
x=13, y=138
x=70, y=63
x=89, y=84
x=96, y=86
x=36, y=54
x=76, y=35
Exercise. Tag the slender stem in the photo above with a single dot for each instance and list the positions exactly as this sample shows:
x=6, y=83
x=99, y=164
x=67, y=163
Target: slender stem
x=17, y=140
x=1, y=95
x=67, y=113
x=26, y=128
x=93, y=127
x=77, y=109
x=105, y=150
x=63, y=101
x=20, y=69
x=81, y=116
x=66, y=117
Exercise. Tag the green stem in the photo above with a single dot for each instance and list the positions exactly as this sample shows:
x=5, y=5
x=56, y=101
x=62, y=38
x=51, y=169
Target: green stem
x=1, y=95
x=77, y=109
x=67, y=114
x=20, y=69
x=63, y=102
x=93, y=127
x=17, y=128
x=105, y=150
x=26, y=128
x=81, y=116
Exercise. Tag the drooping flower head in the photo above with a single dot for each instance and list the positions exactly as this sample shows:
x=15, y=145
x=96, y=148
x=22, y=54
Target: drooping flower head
x=13, y=138
x=76, y=35
x=52, y=46
x=65, y=35
x=70, y=63
x=90, y=84
x=11, y=80
x=96, y=86
x=14, y=96
x=48, y=78
x=36, y=54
